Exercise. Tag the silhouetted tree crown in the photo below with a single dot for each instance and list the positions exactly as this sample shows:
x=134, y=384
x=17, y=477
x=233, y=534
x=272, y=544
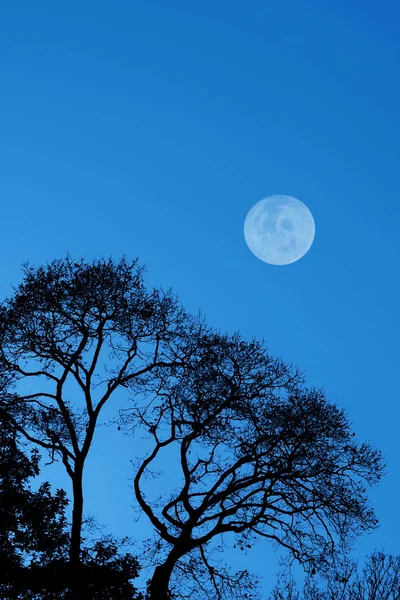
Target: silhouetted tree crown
x=92, y=324
x=261, y=455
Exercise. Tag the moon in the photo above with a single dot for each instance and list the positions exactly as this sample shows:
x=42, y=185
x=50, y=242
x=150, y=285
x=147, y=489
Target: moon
x=279, y=230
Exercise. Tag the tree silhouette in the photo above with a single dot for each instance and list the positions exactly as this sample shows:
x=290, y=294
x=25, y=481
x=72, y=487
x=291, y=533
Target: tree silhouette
x=260, y=456
x=378, y=580
x=32, y=524
x=56, y=331
x=35, y=537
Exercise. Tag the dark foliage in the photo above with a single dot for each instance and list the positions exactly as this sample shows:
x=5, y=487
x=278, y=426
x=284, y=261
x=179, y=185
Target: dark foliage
x=35, y=537
x=32, y=524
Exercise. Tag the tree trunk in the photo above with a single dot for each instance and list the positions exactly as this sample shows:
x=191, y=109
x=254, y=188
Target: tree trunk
x=159, y=583
x=75, y=548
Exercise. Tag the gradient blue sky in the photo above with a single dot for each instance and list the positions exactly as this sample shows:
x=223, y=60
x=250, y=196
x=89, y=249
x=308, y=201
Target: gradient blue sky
x=151, y=128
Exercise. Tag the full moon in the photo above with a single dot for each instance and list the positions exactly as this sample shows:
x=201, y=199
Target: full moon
x=279, y=230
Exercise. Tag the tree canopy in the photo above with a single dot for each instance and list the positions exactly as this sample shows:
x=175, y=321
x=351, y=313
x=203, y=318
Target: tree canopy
x=261, y=455
x=93, y=325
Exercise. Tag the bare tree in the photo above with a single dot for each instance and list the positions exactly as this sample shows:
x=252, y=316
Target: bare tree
x=378, y=580
x=85, y=328
x=260, y=456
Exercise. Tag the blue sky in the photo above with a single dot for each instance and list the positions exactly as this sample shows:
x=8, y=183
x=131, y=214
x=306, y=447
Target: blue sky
x=151, y=128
